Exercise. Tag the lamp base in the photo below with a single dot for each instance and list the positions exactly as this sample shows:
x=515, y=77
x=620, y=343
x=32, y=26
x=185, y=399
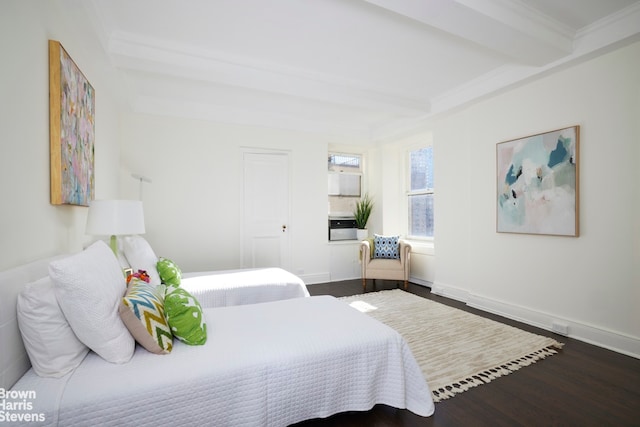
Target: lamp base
x=113, y=242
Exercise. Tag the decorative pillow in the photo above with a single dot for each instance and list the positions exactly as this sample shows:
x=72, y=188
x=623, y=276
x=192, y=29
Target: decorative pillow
x=53, y=348
x=140, y=256
x=140, y=275
x=142, y=311
x=169, y=272
x=185, y=317
x=386, y=247
x=89, y=287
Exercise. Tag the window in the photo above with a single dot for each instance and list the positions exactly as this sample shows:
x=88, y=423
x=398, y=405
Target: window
x=420, y=194
x=345, y=182
x=344, y=162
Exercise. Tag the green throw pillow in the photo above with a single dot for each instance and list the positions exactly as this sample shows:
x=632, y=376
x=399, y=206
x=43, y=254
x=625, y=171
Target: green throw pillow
x=169, y=272
x=184, y=316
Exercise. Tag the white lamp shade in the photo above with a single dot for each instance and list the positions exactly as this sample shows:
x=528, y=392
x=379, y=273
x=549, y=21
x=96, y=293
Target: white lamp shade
x=115, y=217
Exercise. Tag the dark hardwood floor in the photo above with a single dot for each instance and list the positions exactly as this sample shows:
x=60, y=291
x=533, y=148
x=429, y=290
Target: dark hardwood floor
x=583, y=385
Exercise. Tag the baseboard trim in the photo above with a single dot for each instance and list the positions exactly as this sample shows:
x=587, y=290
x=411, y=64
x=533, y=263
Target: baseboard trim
x=447, y=291
x=611, y=340
x=421, y=282
x=311, y=279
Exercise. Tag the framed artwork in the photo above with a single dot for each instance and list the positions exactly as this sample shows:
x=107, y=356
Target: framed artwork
x=537, y=184
x=71, y=130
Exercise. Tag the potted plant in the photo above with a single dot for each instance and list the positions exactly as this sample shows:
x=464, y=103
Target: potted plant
x=363, y=209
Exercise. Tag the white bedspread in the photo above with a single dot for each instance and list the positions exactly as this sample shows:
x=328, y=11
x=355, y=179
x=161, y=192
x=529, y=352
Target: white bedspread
x=269, y=364
x=238, y=287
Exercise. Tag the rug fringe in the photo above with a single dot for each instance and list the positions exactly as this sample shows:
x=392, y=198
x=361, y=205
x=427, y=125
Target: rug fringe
x=490, y=374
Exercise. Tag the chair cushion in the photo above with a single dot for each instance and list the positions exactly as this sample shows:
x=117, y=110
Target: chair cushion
x=386, y=247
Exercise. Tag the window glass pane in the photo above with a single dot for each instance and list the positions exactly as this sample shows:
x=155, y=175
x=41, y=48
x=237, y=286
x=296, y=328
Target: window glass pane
x=422, y=169
x=421, y=215
x=344, y=162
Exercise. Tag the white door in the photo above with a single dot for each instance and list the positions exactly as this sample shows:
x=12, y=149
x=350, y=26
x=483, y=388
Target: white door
x=265, y=231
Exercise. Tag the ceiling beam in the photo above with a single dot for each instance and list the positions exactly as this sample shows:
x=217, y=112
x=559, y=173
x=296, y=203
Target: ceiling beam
x=508, y=27
x=128, y=51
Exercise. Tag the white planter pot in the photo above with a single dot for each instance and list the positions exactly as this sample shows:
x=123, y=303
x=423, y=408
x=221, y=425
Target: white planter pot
x=362, y=234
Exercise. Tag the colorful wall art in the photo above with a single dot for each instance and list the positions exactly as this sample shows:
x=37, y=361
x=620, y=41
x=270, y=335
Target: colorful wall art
x=71, y=130
x=538, y=184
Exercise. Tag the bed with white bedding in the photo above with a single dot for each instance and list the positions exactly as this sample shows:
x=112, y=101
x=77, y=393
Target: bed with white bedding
x=223, y=287
x=270, y=364
x=238, y=287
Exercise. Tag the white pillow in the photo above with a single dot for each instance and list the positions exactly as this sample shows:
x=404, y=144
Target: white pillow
x=141, y=257
x=53, y=348
x=89, y=287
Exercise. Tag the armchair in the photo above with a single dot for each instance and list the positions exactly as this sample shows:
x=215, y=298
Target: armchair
x=381, y=268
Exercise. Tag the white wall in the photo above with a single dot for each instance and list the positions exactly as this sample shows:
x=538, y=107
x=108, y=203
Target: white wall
x=589, y=283
x=192, y=207
x=30, y=227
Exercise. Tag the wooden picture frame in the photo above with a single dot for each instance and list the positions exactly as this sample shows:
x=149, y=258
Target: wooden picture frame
x=538, y=183
x=71, y=130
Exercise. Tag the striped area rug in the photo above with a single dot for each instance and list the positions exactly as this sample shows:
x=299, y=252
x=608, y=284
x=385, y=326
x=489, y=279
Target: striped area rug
x=455, y=349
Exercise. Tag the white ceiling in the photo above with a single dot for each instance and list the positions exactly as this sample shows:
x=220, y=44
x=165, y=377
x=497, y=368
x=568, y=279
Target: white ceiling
x=360, y=69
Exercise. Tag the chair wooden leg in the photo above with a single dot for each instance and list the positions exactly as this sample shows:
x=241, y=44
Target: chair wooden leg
x=405, y=284
x=364, y=284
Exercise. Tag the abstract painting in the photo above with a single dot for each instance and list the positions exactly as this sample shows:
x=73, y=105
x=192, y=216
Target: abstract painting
x=538, y=183
x=71, y=130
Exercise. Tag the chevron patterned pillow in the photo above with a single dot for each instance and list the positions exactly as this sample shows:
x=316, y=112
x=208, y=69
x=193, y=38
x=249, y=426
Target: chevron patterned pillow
x=142, y=312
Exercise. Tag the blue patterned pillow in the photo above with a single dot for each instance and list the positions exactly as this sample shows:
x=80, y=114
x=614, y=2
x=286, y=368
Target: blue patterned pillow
x=386, y=247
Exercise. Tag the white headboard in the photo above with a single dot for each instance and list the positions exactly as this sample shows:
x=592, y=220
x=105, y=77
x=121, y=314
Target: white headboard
x=14, y=361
